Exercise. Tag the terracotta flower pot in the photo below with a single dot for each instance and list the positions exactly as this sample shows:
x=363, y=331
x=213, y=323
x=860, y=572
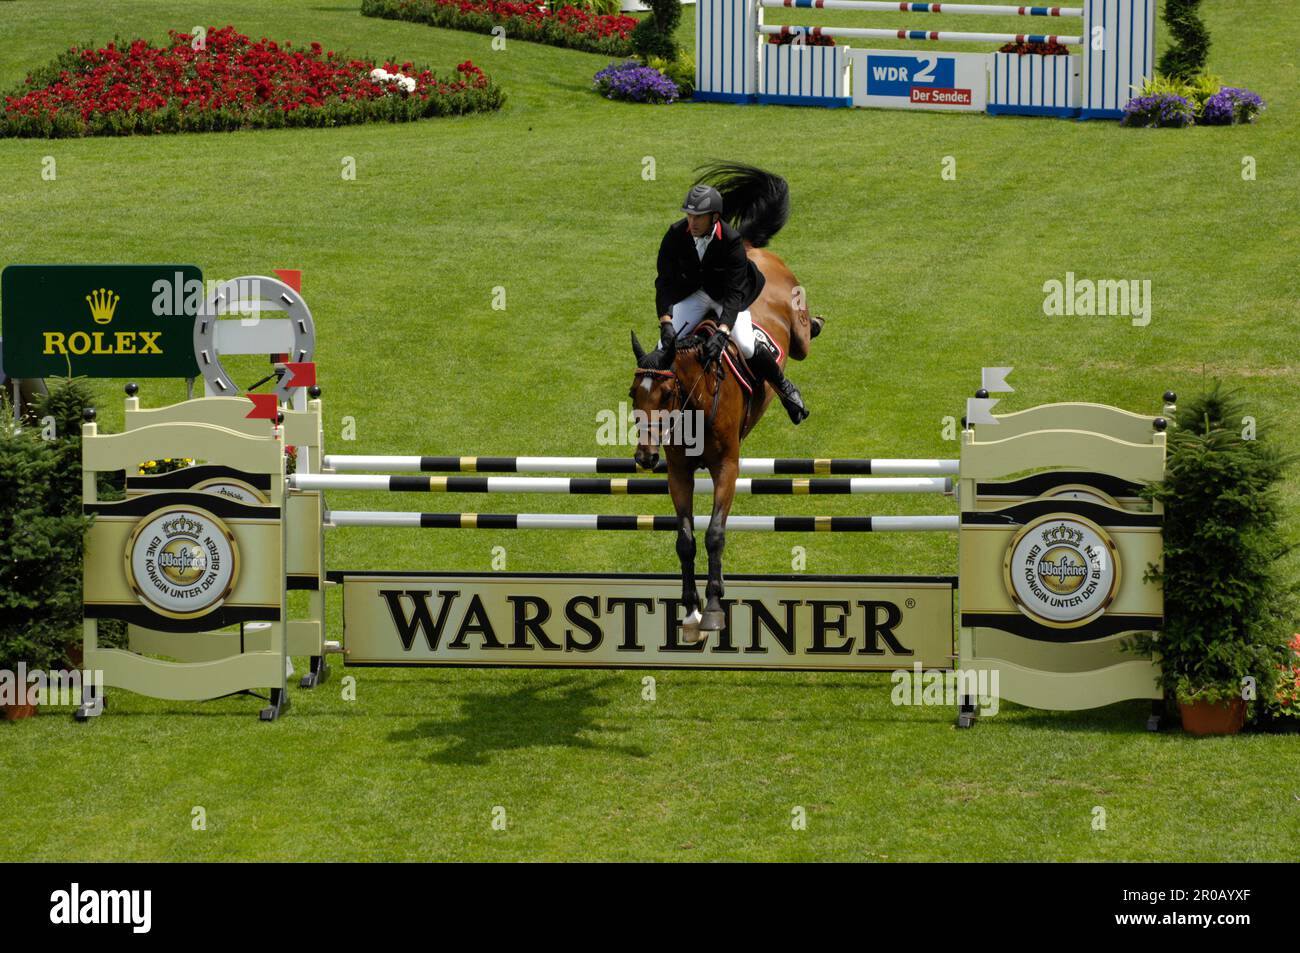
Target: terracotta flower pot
x=1213, y=718
x=15, y=712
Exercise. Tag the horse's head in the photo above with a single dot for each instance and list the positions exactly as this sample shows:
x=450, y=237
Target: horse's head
x=653, y=394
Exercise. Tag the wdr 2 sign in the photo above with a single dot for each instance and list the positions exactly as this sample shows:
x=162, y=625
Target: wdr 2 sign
x=897, y=80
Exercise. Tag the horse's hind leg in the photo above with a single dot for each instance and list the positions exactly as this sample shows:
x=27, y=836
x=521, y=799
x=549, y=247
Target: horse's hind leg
x=681, y=486
x=715, y=539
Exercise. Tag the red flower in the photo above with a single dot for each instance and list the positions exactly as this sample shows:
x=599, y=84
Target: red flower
x=229, y=72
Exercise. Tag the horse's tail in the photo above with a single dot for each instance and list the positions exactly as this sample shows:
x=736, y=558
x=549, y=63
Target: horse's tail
x=756, y=203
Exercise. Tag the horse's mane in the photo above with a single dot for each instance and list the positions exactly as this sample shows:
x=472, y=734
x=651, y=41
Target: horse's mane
x=692, y=342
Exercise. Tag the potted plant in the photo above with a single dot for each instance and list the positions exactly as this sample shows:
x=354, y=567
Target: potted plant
x=1229, y=609
x=41, y=537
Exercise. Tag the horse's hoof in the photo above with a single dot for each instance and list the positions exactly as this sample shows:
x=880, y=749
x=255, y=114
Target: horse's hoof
x=694, y=636
x=691, y=629
x=817, y=322
x=713, y=621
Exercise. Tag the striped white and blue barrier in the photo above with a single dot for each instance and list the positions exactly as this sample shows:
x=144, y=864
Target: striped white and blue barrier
x=1113, y=54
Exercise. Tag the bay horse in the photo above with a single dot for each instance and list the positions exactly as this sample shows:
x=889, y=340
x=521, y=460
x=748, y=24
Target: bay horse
x=757, y=204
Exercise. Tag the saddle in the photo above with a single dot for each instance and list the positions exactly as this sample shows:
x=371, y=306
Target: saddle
x=705, y=330
x=750, y=382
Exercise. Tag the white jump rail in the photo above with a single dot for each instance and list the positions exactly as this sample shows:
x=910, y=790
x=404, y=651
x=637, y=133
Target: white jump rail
x=335, y=519
x=649, y=486
x=749, y=466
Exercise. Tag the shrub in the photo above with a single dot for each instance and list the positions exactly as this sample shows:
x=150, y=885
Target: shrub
x=653, y=36
x=1187, y=54
x=42, y=531
x=1229, y=612
x=681, y=72
x=1201, y=88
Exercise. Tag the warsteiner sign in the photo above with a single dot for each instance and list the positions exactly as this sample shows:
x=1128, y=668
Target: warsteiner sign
x=100, y=320
x=1062, y=570
x=815, y=623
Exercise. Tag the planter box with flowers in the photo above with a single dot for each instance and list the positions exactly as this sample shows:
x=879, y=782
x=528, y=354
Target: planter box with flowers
x=565, y=26
x=229, y=82
x=1034, y=79
x=804, y=70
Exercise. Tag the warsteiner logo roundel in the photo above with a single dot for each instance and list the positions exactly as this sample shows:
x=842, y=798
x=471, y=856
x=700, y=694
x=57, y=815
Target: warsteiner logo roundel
x=182, y=561
x=1062, y=571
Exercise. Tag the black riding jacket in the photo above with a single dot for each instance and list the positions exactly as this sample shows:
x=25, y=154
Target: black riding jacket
x=725, y=272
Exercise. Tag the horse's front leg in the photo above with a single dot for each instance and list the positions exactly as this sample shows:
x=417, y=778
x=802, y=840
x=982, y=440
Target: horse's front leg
x=681, y=486
x=715, y=538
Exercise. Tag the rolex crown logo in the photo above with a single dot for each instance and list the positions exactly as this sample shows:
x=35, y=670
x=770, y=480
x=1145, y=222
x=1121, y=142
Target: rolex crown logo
x=102, y=304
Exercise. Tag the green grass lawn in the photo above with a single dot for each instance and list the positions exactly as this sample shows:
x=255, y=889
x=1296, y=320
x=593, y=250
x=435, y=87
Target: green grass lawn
x=922, y=281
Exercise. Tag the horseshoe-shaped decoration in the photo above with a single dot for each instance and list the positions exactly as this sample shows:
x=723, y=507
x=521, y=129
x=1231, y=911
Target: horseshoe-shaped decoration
x=221, y=329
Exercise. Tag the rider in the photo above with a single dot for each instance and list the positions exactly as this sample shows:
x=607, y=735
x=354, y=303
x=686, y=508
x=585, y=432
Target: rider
x=703, y=268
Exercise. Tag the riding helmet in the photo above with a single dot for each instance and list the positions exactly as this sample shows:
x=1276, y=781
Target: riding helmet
x=702, y=199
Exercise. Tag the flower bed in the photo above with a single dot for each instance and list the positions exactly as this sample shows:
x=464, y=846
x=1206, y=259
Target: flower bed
x=1163, y=110
x=1288, y=689
x=1230, y=106
x=229, y=82
x=635, y=82
x=1202, y=100
x=567, y=26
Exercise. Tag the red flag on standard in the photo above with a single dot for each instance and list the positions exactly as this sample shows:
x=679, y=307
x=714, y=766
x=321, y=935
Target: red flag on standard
x=265, y=407
x=301, y=374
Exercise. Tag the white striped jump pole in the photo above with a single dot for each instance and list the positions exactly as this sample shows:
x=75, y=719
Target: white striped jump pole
x=773, y=524
x=590, y=485
x=883, y=6
x=870, y=33
x=749, y=466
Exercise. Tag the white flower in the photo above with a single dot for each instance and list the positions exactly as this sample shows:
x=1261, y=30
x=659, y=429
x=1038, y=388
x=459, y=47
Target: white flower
x=408, y=83
x=379, y=75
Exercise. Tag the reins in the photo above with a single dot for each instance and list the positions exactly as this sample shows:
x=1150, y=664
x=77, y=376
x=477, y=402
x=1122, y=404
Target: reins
x=683, y=401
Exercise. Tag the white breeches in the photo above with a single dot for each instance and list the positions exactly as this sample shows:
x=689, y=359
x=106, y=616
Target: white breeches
x=689, y=311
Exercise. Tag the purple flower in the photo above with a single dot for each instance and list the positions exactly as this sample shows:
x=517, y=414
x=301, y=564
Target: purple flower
x=1231, y=105
x=1161, y=110
x=632, y=81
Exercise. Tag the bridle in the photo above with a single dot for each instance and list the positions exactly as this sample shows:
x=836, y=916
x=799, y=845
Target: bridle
x=683, y=400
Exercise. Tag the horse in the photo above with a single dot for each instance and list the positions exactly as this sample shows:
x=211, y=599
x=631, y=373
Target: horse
x=757, y=204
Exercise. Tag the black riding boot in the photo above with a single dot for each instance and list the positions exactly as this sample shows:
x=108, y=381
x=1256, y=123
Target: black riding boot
x=764, y=364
